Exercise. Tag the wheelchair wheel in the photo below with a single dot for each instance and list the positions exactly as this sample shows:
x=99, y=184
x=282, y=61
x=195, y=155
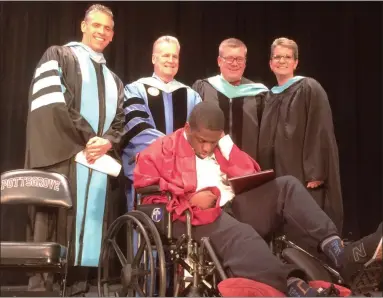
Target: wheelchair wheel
x=143, y=270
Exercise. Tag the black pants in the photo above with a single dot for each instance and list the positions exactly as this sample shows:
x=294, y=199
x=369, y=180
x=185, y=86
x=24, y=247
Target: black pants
x=239, y=242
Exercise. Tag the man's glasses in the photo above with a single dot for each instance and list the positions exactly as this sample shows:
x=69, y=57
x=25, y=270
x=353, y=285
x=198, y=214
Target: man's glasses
x=230, y=60
x=279, y=57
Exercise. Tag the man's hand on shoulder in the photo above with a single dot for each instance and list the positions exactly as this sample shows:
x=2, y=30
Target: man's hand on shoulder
x=204, y=199
x=96, y=147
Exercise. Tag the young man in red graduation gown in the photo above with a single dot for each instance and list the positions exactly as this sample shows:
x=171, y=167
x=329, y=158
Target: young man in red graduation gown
x=194, y=164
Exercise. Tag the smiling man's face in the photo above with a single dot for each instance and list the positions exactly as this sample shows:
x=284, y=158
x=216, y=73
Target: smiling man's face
x=97, y=31
x=165, y=59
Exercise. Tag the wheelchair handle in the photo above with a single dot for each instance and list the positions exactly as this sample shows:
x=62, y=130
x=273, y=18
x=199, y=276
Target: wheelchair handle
x=148, y=190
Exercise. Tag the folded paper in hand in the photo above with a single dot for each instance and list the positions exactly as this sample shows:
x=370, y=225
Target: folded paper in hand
x=248, y=182
x=105, y=164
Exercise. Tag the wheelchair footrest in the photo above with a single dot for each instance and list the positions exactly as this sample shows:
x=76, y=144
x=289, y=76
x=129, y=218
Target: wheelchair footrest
x=313, y=269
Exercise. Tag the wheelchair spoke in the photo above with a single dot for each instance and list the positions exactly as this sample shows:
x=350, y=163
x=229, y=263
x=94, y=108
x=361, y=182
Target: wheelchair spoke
x=186, y=290
x=131, y=293
x=119, y=253
x=111, y=280
x=130, y=246
x=142, y=273
x=138, y=256
x=123, y=292
x=149, y=267
x=141, y=292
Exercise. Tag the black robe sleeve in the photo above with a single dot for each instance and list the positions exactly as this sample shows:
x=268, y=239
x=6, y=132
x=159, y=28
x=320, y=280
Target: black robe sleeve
x=319, y=133
x=51, y=134
x=320, y=151
x=198, y=87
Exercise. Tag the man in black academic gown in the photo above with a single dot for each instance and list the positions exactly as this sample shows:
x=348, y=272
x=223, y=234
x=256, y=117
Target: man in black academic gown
x=297, y=134
x=240, y=99
x=75, y=104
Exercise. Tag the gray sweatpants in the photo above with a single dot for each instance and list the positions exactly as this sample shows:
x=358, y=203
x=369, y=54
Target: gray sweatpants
x=239, y=242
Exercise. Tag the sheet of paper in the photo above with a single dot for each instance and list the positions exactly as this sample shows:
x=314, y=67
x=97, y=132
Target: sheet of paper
x=105, y=164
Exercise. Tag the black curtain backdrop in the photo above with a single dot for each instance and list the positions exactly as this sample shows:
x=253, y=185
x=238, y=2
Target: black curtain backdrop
x=340, y=45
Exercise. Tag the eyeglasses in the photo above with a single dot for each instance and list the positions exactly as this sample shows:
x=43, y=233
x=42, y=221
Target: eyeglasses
x=230, y=60
x=279, y=57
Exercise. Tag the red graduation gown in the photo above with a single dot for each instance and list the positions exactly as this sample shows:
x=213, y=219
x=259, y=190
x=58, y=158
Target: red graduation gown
x=170, y=162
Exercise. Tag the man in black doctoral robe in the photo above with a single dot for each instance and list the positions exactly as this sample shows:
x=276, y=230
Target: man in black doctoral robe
x=76, y=104
x=297, y=134
x=240, y=99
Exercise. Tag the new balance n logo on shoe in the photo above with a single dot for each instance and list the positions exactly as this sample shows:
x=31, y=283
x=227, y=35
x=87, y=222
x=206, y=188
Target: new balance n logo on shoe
x=359, y=252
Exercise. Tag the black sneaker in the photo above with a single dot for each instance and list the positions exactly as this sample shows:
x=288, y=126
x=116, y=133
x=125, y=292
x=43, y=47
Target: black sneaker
x=362, y=266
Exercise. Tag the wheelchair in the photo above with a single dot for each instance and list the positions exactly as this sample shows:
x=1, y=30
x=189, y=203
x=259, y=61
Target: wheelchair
x=158, y=265
x=46, y=190
x=163, y=266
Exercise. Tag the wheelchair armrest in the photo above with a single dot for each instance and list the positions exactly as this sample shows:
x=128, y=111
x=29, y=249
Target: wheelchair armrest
x=152, y=190
x=148, y=190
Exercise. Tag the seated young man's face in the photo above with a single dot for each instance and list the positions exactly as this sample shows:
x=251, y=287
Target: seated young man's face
x=203, y=141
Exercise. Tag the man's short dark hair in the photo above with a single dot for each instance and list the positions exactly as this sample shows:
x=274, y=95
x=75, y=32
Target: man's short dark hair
x=100, y=8
x=207, y=115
